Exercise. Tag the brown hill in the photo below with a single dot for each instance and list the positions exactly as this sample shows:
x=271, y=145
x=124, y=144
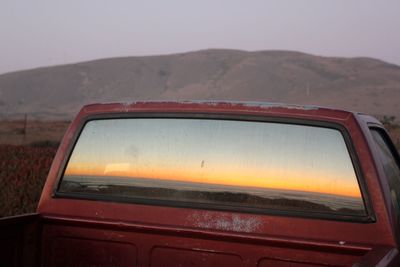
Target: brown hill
x=361, y=84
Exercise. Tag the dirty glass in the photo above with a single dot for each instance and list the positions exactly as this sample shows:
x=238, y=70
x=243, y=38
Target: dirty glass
x=220, y=163
x=390, y=167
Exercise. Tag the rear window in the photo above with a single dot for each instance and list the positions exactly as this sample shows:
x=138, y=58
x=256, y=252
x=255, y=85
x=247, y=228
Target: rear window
x=214, y=163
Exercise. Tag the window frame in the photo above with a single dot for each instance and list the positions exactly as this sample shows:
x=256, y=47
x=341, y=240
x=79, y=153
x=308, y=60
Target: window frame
x=368, y=218
x=388, y=141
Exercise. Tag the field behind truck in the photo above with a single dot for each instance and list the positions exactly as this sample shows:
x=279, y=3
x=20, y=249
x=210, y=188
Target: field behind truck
x=23, y=172
x=32, y=132
x=27, y=149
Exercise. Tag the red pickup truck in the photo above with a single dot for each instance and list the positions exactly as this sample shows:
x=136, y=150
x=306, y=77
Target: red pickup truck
x=214, y=184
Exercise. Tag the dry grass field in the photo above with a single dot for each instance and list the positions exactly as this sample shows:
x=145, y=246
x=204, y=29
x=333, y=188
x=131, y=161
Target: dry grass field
x=23, y=172
x=32, y=132
x=395, y=135
x=26, y=153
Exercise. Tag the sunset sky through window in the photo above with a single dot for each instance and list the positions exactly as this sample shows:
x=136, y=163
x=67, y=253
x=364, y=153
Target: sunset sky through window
x=223, y=152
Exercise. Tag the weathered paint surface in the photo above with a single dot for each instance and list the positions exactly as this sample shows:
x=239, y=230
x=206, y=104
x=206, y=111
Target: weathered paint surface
x=226, y=222
x=179, y=236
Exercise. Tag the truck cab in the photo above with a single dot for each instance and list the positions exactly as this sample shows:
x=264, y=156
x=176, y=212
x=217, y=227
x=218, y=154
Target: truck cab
x=214, y=184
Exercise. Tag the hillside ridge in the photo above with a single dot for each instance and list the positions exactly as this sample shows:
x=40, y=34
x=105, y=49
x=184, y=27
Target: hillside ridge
x=360, y=84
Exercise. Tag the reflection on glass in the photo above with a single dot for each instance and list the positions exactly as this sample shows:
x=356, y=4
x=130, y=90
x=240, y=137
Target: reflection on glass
x=227, y=162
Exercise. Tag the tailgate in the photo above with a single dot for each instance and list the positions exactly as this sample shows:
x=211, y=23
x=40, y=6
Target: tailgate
x=19, y=239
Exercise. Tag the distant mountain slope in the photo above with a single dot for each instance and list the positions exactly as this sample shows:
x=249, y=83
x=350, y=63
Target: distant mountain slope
x=361, y=84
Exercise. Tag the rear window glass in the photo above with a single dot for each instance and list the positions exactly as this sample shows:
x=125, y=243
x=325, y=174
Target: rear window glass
x=216, y=163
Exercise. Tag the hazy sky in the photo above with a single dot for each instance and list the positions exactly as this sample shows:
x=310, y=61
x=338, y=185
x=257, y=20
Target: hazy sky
x=37, y=33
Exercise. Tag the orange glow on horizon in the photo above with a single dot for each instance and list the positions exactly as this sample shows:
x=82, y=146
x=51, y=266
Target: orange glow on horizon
x=257, y=178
